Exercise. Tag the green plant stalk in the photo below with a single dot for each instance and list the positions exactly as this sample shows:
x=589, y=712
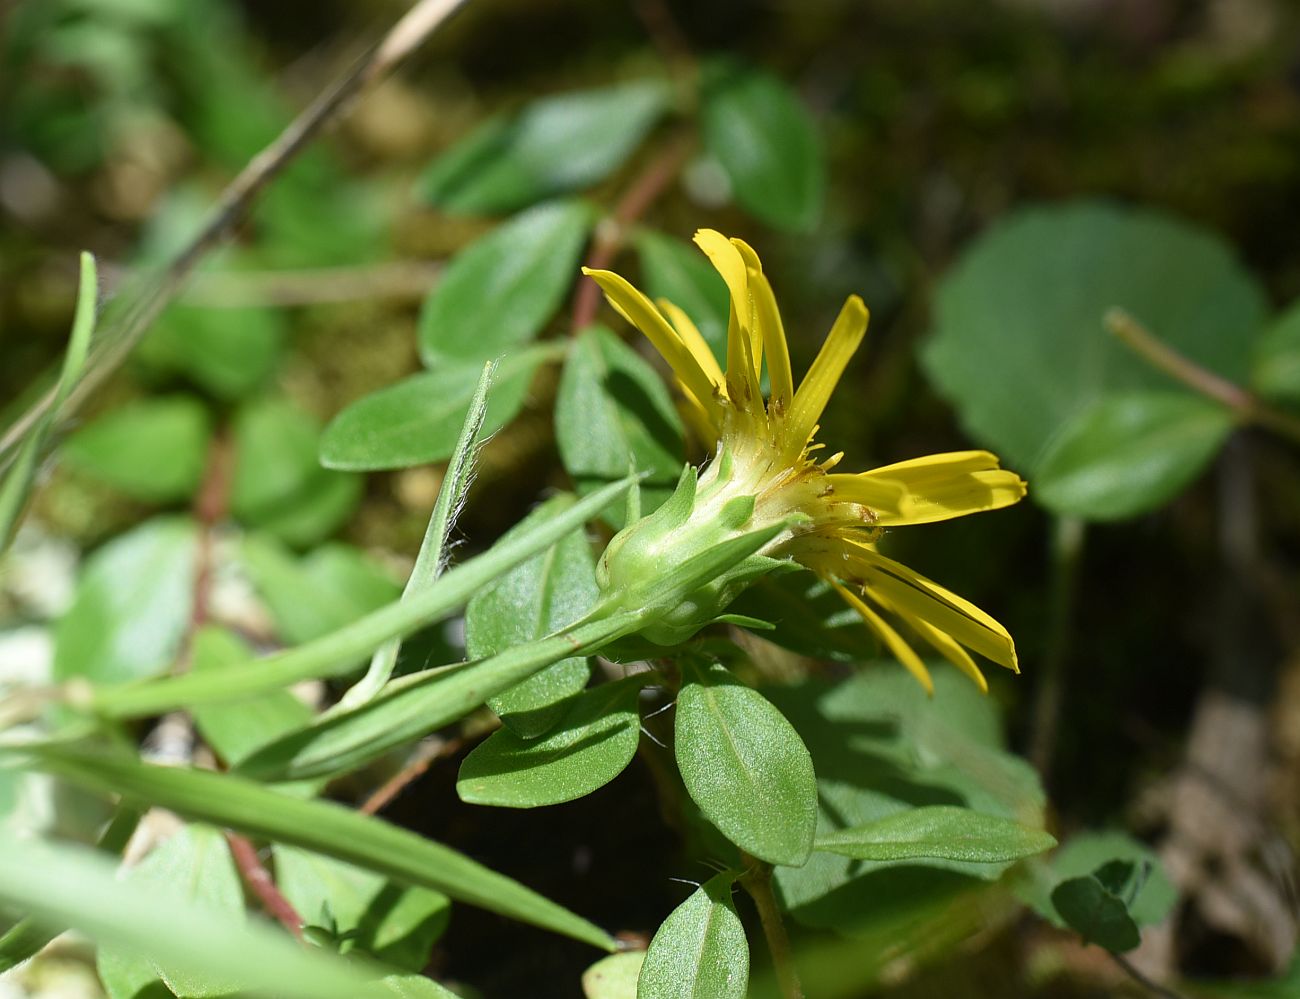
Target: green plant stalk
x=432, y=558
x=335, y=653
x=29, y=936
x=18, y=483
x=66, y=885
x=422, y=703
x=1067, y=551
x=232, y=802
x=757, y=881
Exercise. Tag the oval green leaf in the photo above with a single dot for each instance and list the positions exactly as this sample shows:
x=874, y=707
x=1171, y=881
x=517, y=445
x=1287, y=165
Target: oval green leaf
x=613, y=415
x=395, y=924
x=499, y=291
x=746, y=767
x=418, y=420
x=131, y=605
x=1129, y=453
x=938, y=832
x=196, y=864
x=279, y=485
x=541, y=596
x=765, y=140
x=593, y=743
x=699, y=950
x=1020, y=348
x=556, y=144
x=1096, y=913
x=1276, y=368
x=613, y=977
x=153, y=449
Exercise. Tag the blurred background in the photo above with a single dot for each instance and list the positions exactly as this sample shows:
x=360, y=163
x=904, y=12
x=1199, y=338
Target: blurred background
x=1161, y=685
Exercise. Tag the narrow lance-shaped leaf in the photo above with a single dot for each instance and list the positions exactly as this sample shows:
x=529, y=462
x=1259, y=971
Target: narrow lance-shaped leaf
x=18, y=482
x=421, y=703
x=700, y=950
x=321, y=826
x=432, y=558
x=938, y=832
x=69, y=887
x=336, y=652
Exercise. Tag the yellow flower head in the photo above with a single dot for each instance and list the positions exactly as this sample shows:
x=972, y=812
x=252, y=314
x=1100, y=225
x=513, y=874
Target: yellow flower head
x=834, y=518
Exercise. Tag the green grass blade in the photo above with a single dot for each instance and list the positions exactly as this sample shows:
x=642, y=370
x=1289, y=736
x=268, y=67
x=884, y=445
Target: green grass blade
x=70, y=886
x=432, y=559
x=18, y=483
x=421, y=703
x=335, y=653
x=29, y=935
x=232, y=802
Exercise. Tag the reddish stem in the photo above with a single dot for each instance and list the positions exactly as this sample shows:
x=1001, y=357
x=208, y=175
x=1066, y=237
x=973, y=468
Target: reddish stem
x=261, y=884
x=611, y=233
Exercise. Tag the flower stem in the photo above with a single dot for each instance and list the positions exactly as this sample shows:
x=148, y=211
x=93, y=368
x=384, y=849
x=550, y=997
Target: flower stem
x=757, y=880
x=1159, y=354
x=1067, y=550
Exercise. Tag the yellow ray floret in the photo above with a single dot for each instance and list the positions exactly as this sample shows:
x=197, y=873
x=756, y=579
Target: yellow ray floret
x=834, y=519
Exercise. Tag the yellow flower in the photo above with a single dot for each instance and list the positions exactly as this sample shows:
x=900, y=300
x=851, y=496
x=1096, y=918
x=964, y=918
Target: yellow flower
x=765, y=450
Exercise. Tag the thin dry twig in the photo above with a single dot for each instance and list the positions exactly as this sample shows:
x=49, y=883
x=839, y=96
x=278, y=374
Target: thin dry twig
x=425, y=756
x=109, y=351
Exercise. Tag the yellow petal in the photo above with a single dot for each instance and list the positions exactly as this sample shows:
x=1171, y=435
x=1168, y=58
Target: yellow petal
x=816, y=388
x=938, y=487
x=742, y=373
x=913, y=597
x=942, y=643
x=641, y=313
x=768, y=320
x=695, y=343
x=903, y=652
x=889, y=501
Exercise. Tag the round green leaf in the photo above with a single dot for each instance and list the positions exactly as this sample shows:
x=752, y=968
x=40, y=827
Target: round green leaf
x=418, y=420
x=556, y=144
x=613, y=977
x=613, y=415
x=279, y=484
x=543, y=595
x=152, y=450
x=132, y=605
x=195, y=863
x=700, y=950
x=228, y=351
x=394, y=923
x=500, y=290
x=1098, y=915
x=1088, y=852
x=761, y=133
x=591, y=746
x=1276, y=373
x=1129, y=453
x=746, y=767
x=1020, y=348
x=942, y=832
